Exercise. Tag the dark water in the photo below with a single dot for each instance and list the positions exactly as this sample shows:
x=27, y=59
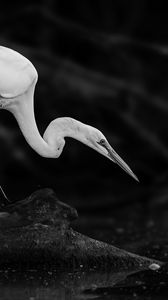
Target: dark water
x=84, y=285
x=135, y=228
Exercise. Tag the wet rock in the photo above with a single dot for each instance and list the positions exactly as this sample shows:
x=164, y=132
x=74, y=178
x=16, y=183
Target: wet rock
x=36, y=233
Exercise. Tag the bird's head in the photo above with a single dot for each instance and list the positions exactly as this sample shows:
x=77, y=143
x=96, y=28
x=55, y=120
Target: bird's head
x=60, y=128
x=95, y=139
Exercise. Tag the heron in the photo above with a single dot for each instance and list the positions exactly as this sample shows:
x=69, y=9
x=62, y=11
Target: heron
x=18, y=78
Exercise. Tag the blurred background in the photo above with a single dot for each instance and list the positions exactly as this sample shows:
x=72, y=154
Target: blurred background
x=104, y=63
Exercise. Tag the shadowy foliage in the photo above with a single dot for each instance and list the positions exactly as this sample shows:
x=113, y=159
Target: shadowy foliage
x=104, y=63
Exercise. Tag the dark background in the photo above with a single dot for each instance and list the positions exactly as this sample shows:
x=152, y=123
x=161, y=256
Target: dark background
x=104, y=63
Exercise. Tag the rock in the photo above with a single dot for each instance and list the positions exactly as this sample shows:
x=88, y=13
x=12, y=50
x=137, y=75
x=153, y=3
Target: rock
x=36, y=233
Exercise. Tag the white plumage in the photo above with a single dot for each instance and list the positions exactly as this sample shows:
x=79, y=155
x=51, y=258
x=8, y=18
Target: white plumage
x=18, y=78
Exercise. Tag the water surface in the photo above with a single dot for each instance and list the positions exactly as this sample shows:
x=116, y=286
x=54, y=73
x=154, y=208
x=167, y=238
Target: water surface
x=136, y=228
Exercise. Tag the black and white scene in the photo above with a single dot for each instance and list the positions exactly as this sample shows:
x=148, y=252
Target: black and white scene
x=83, y=150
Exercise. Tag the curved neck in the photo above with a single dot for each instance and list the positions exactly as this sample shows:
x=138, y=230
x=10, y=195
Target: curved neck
x=23, y=110
x=65, y=127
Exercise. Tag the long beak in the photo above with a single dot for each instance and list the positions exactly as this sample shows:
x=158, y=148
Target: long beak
x=118, y=160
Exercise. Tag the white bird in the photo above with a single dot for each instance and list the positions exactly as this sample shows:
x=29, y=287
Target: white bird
x=18, y=79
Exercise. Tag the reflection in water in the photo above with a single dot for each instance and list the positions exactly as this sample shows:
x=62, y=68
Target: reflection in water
x=56, y=285
x=53, y=285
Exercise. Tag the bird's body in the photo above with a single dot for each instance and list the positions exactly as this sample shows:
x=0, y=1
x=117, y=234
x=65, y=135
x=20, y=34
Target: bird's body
x=16, y=73
x=18, y=78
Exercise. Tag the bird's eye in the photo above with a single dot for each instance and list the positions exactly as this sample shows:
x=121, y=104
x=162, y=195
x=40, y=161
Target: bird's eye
x=102, y=142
